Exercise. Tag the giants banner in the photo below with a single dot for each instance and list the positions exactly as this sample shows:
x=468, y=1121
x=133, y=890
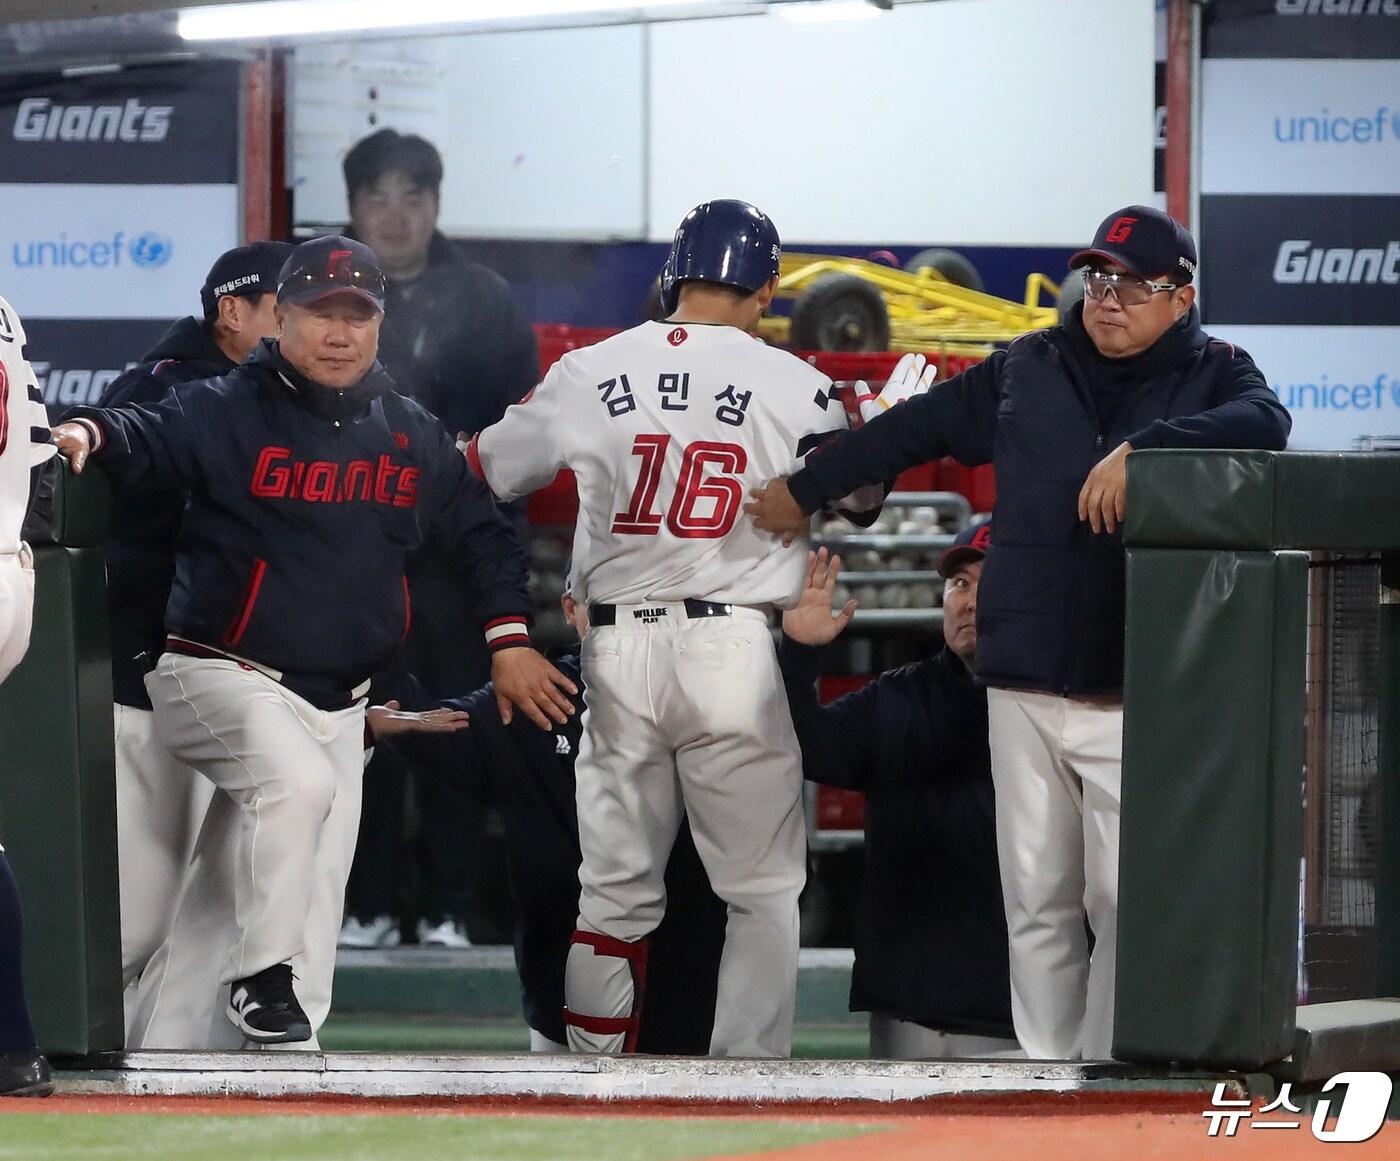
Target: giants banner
x=1302, y=29
x=1300, y=205
x=1308, y=261
x=119, y=191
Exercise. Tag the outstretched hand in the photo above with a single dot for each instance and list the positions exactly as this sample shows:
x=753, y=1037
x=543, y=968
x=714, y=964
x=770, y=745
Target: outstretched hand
x=774, y=510
x=389, y=719
x=912, y=375
x=1103, y=498
x=811, y=621
x=525, y=680
x=74, y=443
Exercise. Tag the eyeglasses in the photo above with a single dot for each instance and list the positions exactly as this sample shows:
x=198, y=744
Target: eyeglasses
x=1128, y=289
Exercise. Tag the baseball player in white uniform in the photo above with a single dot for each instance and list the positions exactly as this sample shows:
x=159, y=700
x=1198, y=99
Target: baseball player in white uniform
x=667, y=426
x=24, y=443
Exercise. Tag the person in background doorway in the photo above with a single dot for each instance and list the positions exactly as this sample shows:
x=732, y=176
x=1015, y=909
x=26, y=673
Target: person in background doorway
x=455, y=340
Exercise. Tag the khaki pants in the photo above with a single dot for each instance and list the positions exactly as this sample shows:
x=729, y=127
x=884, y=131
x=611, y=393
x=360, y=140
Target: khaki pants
x=894, y=1039
x=16, y=608
x=1057, y=764
x=267, y=884
x=161, y=804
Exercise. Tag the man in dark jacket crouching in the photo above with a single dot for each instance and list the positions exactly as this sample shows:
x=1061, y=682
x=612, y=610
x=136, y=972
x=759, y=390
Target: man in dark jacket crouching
x=931, y=965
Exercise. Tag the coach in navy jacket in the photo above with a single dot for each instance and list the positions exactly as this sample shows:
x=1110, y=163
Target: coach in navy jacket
x=159, y=802
x=1058, y=413
x=930, y=936
x=310, y=480
x=304, y=503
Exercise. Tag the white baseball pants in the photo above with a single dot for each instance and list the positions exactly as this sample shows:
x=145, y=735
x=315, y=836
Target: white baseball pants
x=894, y=1039
x=267, y=884
x=1057, y=764
x=161, y=804
x=16, y=607
x=688, y=716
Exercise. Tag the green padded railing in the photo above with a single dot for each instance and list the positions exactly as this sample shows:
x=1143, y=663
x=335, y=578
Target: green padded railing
x=57, y=796
x=1213, y=746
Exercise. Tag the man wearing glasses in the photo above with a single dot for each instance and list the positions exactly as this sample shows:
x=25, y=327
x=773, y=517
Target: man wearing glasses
x=1059, y=412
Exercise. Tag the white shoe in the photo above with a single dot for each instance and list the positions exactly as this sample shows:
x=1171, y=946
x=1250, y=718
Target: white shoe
x=381, y=931
x=449, y=933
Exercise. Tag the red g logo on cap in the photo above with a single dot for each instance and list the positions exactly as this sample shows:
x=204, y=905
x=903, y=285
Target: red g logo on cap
x=981, y=538
x=338, y=265
x=1121, y=229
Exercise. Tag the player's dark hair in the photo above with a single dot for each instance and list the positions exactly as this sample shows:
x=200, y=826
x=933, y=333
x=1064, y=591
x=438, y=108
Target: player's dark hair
x=389, y=151
x=212, y=316
x=737, y=293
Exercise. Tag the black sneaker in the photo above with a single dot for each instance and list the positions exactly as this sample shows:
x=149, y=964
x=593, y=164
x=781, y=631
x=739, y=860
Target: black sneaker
x=265, y=1008
x=25, y=1074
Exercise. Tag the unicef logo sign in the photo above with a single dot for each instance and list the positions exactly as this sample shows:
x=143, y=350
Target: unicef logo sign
x=147, y=250
x=150, y=249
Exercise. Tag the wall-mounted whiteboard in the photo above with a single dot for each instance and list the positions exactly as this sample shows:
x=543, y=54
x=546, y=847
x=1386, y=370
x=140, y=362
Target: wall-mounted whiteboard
x=984, y=122
x=541, y=133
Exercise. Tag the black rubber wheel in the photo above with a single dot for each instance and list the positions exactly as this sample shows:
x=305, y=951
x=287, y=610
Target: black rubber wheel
x=840, y=312
x=1071, y=291
x=949, y=263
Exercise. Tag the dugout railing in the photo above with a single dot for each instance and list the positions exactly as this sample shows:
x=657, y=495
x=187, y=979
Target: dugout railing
x=1215, y=746
x=57, y=790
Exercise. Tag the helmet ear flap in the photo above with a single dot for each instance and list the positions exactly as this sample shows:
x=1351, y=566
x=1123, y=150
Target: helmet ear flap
x=670, y=292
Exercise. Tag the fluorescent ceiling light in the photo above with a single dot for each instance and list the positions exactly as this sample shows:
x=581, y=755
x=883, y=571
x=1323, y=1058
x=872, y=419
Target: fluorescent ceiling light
x=821, y=11
x=290, y=18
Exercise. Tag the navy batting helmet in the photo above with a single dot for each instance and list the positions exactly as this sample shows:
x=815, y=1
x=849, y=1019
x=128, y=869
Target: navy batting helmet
x=725, y=241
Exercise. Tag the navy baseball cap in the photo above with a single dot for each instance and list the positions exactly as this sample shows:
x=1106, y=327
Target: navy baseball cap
x=1145, y=241
x=971, y=544
x=245, y=271
x=331, y=265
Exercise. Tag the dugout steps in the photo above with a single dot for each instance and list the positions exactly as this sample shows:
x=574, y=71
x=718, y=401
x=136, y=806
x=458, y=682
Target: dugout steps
x=636, y=1078
x=480, y=982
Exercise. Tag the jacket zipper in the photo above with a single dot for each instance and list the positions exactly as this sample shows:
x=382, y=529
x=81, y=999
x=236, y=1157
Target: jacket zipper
x=1076, y=596
x=239, y=625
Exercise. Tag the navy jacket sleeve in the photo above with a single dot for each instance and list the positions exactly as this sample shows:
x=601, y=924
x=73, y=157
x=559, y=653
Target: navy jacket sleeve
x=839, y=741
x=464, y=519
x=1245, y=414
x=902, y=729
x=956, y=418
x=459, y=758
x=153, y=442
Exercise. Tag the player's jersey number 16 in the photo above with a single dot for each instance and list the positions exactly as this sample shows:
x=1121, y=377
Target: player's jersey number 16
x=704, y=506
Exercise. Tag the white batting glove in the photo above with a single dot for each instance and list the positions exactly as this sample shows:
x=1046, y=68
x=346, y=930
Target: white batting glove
x=912, y=375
